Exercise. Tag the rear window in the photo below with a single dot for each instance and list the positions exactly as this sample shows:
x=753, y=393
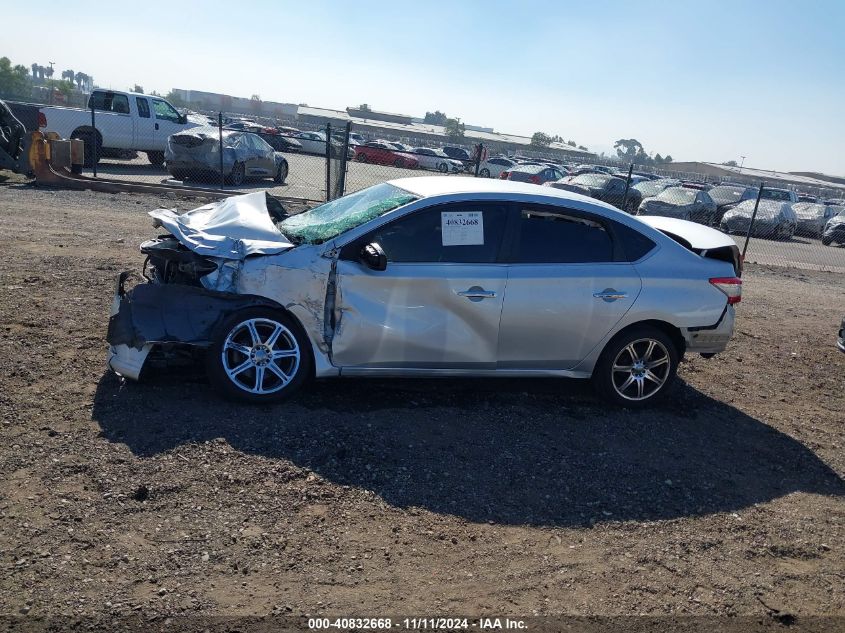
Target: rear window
x=109, y=102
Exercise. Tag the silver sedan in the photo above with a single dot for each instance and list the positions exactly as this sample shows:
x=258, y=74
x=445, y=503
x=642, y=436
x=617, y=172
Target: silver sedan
x=430, y=277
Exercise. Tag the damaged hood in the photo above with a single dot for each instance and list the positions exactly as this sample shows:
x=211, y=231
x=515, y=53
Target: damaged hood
x=232, y=228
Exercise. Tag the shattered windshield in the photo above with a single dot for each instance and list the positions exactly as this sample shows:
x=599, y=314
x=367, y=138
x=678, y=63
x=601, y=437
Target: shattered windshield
x=338, y=216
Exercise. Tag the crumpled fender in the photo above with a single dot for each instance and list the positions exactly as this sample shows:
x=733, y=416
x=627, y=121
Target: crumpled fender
x=162, y=313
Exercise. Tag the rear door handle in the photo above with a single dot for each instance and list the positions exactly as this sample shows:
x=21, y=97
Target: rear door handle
x=476, y=293
x=609, y=294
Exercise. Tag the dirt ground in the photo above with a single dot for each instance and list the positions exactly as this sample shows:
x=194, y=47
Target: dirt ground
x=412, y=497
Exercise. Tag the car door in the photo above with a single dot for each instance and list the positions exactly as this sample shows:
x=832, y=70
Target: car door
x=437, y=304
x=567, y=288
x=265, y=161
x=167, y=122
x=145, y=131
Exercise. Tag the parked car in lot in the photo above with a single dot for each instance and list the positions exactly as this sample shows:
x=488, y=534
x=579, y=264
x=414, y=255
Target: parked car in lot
x=727, y=197
x=536, y=174
x=124, y=121
x=436, y=159
x=312, y=142
x=775, y=219
x=774, y=193
x=635, y=179
x=808, y=198
x=834, y=230
x=458, y=153
x=603, y=187
x=429, y=276
x=700, y=186
x=381, y=153
x=195, y=154
x=682, y=203
x=278, y=141
x=493, y=167
x=812, y=218
x=654, y=187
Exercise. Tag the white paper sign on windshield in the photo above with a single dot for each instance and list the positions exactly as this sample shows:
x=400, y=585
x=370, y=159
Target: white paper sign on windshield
x=462, y=228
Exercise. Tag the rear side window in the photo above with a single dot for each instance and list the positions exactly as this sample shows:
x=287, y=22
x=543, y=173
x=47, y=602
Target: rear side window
x=634, y=244
x=550, y=236
x=461, y=234
x=143, y=107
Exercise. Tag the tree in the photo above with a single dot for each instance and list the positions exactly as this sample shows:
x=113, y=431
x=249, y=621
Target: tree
x=435, y=118
x=138, y=88
x=630, y=149
x=584, y=149
x=571, y=143
x=455, y=129
x=176, y=100
x=364, y=107
x=541, y=139
x=14, y=80
x=668, y=158
x=731, y=163
x=658, y=158
x=64, y=86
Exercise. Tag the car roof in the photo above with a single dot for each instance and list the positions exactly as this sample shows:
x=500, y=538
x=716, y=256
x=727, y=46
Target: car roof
x=430, y=186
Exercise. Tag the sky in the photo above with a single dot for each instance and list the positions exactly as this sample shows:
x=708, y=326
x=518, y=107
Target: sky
x=706, y=80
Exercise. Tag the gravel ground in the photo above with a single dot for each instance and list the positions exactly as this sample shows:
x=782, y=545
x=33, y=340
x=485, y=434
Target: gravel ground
x=415, y=497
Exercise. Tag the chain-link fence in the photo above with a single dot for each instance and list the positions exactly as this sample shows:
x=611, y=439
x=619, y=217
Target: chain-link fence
x=142, y=138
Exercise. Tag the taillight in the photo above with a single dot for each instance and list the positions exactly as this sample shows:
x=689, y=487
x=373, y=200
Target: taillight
x=504, y=175
x=42, y=120
x=731, y=286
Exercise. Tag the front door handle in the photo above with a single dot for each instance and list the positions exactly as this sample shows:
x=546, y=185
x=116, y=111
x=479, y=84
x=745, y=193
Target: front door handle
x=476, y=293
x=609, y=294
x=156, y=125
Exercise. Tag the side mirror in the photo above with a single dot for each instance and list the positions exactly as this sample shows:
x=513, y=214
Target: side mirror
x=183, y=119
x=372, y=256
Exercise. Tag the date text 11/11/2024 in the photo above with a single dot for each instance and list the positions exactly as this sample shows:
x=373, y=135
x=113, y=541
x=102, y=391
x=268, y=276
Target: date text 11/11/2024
x=417, y=624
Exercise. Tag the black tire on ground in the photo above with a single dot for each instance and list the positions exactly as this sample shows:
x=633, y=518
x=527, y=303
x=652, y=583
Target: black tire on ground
x=484, y=173
x=89, y=139
x=156, y=158
x=262, y=370
x=238, y=175
x=281, y=173
x=827, y=241
x=443, y=168
x=361, y=158
x=398, y=163
x=642, y=355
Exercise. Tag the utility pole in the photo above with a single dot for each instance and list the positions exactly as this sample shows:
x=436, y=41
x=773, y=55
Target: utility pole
x=741, y=163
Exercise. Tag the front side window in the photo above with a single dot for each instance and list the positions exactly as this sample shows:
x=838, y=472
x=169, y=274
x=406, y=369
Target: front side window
x=165, y=112
x=551, y=236
x=462, y=234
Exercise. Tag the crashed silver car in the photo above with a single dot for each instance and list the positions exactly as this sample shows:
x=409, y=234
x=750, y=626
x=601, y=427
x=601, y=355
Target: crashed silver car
x=432, y=276
x=774, y=220
x=812, y=218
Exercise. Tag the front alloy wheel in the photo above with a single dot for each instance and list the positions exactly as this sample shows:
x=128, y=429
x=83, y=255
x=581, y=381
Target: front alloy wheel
x=637, y=367
x=258, y=356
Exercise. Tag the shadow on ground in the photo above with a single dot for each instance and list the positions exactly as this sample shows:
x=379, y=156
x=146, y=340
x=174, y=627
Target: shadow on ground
x=540, y=452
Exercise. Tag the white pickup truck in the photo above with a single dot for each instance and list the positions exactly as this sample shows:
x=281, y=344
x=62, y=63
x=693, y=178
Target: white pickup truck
x=123, y=121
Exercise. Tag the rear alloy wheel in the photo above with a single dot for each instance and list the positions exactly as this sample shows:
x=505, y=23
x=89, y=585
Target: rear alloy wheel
x=281, y=173
x=258, y=356
x=238, y=175
x=827, y=241
x=398, y=163
x=361, y=158
x=636, y=368
x=443, y=168
x=484, y=173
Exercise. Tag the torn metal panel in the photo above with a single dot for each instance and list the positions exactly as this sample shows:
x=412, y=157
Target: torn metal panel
x=159, y=313
x=233, y=228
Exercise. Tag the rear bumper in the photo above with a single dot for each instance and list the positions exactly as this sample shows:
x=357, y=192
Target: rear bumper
x=711, y=339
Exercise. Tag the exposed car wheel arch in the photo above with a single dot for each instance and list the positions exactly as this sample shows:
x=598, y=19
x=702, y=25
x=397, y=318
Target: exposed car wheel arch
x=670, y=330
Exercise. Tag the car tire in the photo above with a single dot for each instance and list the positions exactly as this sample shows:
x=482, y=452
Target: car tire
x=636, y=368
x=398, y=163
x=443, y=168
x=281, y=173
x=361, y=158
x=827, y=241
x=238, y=175
x=179, y=175
x=156, y=158
x=259, y=356
x=484, y=173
